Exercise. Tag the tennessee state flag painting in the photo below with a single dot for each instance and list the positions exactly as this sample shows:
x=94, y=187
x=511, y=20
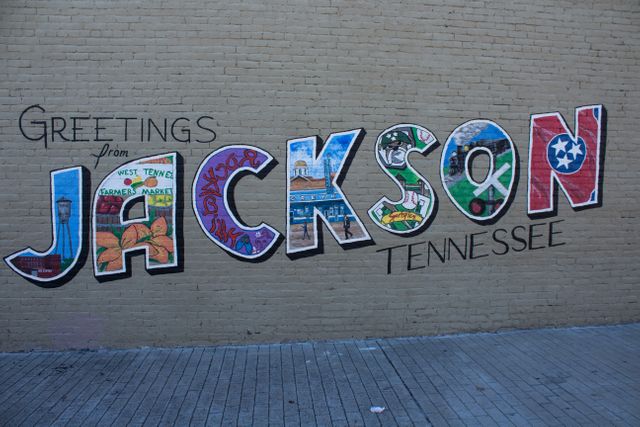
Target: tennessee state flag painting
x=573, y=161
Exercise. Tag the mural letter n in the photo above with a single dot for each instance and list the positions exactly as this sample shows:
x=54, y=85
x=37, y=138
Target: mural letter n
x=573, y=161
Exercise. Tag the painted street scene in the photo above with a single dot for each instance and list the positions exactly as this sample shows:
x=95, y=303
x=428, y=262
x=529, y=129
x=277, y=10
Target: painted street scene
x=313, y=194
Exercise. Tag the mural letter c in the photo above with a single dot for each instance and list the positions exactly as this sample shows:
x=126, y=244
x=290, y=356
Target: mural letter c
x=212, y=206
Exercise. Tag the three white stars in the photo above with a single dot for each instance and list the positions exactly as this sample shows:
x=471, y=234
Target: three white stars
x=392, y=136
x=561, y=147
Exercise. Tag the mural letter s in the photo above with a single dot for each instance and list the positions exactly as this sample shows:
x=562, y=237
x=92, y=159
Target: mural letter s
x=416, y=206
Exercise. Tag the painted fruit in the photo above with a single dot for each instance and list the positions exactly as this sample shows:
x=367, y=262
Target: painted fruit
x=151, y=181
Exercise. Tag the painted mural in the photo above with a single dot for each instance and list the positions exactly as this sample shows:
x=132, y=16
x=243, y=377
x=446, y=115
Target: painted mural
x=313, y=191
x=480, y=201
x=417, y=201
x=573, y=161
x=216, y=217
x=67, y=220
x=151, y=180
x=556, y=155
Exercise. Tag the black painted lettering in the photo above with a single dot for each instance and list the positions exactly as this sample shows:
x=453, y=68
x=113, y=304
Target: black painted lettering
x=42, y=123
x=500, y=241
x=533, y=236
x=518, y=238
x=201, y=126
x=75, y=128
x=184, y=129
x=103, y=152
x=389, y=250
x=58, y=131
x=552, y=233
x=473, y=245
x=98, y=128
x=441, y=256
x=410, y=256
x=163, y=133
x=126, y=126
x=463, y=254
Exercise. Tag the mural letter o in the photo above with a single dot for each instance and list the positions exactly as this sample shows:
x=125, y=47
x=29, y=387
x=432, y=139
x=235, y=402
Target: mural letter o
x=486, y=200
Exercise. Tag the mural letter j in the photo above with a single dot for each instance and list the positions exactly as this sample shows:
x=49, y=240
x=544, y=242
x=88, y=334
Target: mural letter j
x=53, y=267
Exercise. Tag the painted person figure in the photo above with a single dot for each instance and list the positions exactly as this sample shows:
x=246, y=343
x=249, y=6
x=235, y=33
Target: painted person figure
x=346, y=224
x=305, y=230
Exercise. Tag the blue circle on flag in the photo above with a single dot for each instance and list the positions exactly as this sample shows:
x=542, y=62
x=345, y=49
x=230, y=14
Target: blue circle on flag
x=566, y=155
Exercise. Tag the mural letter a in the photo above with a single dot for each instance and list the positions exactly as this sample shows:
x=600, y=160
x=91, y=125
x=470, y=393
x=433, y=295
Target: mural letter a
x=153, y=181
x=573, y=161
x=313, y=190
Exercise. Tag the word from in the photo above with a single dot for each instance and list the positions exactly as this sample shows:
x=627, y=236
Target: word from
x=314, y=175
x=500, y=242
x=106, y=151
x=101, y=128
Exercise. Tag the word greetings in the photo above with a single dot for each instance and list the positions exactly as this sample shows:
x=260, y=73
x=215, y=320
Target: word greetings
x=557, y=157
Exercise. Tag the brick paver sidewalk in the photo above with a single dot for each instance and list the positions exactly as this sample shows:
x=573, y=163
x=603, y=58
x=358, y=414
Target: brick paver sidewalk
x=575, y=376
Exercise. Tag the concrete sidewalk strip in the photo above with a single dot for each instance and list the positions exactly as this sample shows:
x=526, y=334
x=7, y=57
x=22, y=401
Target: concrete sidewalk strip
x=568, y=376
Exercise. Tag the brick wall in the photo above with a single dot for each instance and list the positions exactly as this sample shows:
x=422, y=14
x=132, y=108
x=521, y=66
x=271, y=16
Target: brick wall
x=280, y=70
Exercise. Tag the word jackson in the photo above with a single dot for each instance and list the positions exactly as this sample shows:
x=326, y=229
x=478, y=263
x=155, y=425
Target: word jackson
x=558, y=157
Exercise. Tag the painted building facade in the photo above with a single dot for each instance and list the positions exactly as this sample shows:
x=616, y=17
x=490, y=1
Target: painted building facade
x=200, y=173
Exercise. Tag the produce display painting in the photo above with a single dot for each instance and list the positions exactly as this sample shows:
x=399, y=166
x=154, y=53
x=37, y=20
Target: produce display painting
x=152, y=180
